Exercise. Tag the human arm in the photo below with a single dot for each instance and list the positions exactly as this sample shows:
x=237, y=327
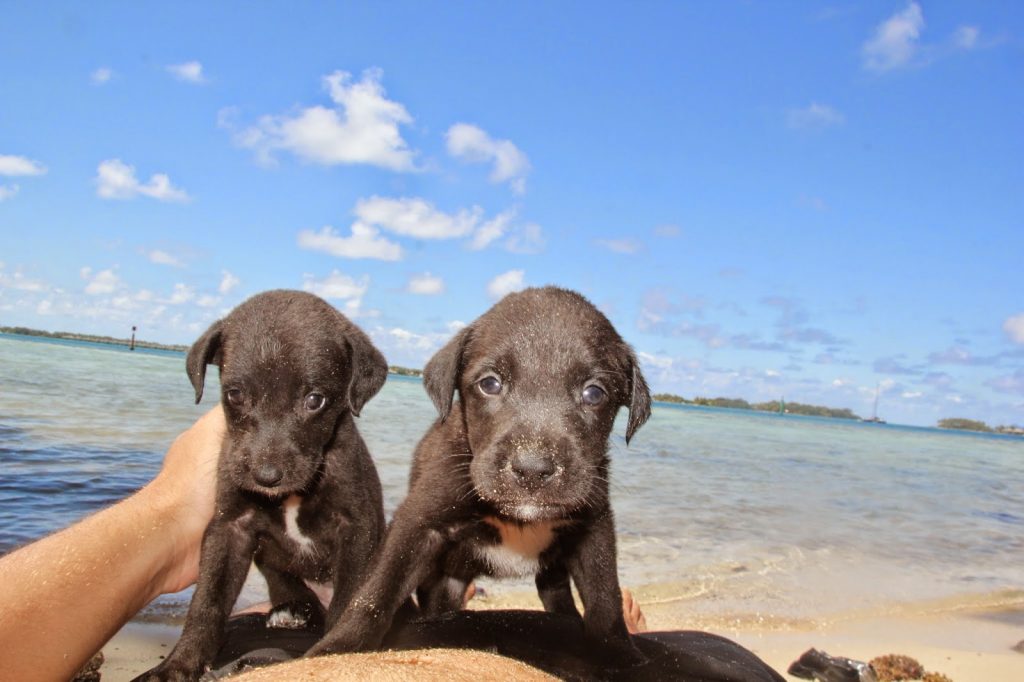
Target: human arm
x=63, y=597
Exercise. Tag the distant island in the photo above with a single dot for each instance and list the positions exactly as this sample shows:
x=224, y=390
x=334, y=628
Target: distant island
x=91, y=338
x=770, y=406
x=961, y=424
x=405, y=371
x=113, y=341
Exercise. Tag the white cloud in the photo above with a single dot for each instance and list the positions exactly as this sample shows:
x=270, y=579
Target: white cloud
x=17, y=280
x=910, y=395
x=658, y=361
x=182, y=294
x=407, y=340
x=45, y=307
x=116, y=180
x=895, y=41
x=470, y=143
x=416, y=218
x=492, y=229
x=228, y=282
x=667, y=371
x=364, y=242
x=425, y=285
x=527, y=239
x=419, y=219
x=1014, y=328
x=340, y=287
x=362, y=128
x=189, y=72
x=103, y=282
x=164, y=258
x=505, y=283
x=410, y=347
x=966, y=37
x=814, y=117
x=626, y=246
x=19, y=165
x=208, y=301
x=337, y=286
x=123, y=302
x=101, y=76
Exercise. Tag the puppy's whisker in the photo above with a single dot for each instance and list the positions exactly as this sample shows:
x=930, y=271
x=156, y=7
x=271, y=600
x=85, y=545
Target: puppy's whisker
x=464, y=495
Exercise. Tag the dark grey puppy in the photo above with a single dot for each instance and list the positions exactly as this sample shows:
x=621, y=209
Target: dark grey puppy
x=513, y=477
x=296, y=489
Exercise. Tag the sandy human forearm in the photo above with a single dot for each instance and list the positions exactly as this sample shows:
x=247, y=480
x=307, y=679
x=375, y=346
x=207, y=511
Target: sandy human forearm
x=63, y=597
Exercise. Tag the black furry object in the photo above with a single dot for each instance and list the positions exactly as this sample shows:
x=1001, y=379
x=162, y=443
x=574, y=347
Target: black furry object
x=551, y=642
x=817, y=665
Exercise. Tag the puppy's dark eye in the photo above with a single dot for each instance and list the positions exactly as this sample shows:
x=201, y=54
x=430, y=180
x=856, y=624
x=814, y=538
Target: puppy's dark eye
x=490, y=385
x=593, y=396
x=235, y=397
x=314, y=401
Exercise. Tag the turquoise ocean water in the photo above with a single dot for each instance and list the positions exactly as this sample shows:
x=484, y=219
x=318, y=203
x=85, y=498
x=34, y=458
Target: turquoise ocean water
x=738, y=514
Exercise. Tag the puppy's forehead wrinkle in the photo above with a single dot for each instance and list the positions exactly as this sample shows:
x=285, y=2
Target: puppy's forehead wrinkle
x=269, y=349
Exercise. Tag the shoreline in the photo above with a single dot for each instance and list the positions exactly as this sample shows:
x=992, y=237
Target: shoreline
x=968, y=638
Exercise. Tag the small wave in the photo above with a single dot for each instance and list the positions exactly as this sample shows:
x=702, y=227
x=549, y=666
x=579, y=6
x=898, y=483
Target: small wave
x=1001, y=517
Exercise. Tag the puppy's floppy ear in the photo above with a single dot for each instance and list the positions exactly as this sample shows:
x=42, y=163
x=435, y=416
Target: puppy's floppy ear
x=640, y=401
x=441, y=374
x=369, y=369
x=205, y=351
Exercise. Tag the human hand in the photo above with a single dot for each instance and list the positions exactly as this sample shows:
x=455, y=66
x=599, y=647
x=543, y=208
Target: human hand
x=186, y=489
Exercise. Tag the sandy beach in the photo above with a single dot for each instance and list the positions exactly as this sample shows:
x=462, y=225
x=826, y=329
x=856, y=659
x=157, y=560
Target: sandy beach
x=966, y=641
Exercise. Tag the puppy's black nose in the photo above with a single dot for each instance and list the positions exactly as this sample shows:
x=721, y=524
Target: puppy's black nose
x=532, y=468
x=268, y=475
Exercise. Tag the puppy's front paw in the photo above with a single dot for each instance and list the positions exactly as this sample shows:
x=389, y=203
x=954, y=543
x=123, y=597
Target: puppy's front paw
x=296, y=615
x=346, y=639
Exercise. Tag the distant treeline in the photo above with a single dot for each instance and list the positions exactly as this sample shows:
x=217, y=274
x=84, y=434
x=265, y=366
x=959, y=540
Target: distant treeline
x=405, y=371
x=110, y=340
x=975, y=425
x=770, y=406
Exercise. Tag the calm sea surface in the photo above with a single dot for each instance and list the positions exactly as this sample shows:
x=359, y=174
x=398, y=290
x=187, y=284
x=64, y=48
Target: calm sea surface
x=736, y=512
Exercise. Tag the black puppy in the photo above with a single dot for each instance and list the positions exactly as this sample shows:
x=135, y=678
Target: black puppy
x=513, y=478
x=296, y=489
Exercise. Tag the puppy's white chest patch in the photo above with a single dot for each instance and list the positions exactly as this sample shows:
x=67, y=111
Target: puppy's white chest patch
x=520, y=548
x=290, y=508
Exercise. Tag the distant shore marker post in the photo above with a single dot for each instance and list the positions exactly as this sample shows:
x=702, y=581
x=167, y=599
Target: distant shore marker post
x=131, y=344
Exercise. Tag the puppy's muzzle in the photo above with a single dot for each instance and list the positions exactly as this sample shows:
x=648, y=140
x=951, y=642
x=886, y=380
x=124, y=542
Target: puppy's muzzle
x=532, y=469
x=268, y=475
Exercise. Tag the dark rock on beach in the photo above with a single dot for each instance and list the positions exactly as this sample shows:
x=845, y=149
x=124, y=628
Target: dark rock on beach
x=818, y=665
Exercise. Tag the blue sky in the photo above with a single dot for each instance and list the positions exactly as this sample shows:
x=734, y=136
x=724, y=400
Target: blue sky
x=768, y=199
